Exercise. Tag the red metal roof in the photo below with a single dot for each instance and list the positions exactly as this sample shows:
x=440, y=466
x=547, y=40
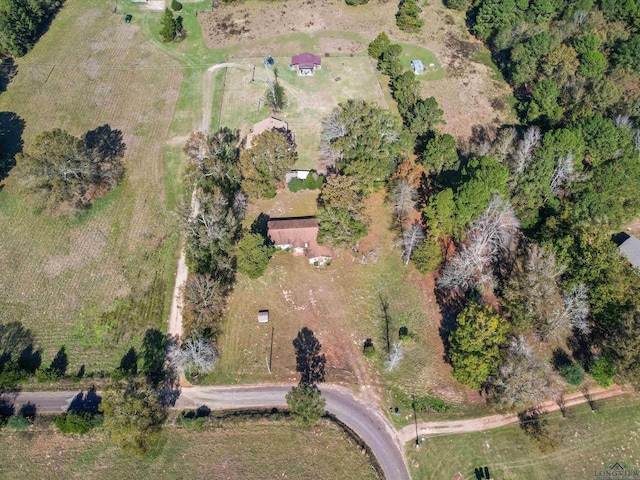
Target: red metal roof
x=306, y=60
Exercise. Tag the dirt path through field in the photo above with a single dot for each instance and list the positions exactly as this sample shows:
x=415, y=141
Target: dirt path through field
x=207, y=94
x=408, y=433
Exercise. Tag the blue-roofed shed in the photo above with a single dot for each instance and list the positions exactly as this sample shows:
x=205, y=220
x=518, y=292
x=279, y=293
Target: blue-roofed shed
x=418, y=67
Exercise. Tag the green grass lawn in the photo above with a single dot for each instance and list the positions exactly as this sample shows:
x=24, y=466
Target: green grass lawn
x=245, y=450
x=589, y=441
x=415, y=52
x=310, y=98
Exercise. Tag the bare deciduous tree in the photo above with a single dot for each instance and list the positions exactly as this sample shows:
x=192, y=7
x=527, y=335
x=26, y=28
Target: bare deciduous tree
x=503, y=145
x=575, y=311
x=563, y=174
x=412, y=237
x=395, y=356
x=524, y=152
x=491, y=234
x=579, y=17
x=403, y=199
x=522, y=380
x=622, y=121
x=196, y=356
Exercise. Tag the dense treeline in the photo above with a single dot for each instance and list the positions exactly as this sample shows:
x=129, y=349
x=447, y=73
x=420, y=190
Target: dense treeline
x=213, y=226
x=22, y=22
x=530, y=209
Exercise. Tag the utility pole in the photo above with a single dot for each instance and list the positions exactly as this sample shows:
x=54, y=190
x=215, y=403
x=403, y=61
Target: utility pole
x=271, y=352
x=415, y=418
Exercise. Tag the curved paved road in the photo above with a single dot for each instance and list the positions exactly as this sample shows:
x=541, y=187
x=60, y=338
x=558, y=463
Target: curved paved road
x=364, y=419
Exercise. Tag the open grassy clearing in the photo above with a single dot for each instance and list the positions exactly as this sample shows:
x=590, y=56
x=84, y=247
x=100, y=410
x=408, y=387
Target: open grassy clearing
x=342, y=304
x=310, y=98
x=465, y=88
x=414, y=52
x=588, y=442
x=58, y=274
x=253, y=449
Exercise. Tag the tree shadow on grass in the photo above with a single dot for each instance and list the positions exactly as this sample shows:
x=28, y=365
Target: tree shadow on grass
x=129, y=363
x=8, y=70
x=11, y=128
x=309, y=362
x=60, y=362
x=260, y=226
x=451, y=304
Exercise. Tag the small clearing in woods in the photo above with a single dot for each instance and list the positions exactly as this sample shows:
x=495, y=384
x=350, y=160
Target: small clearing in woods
x=470, y=94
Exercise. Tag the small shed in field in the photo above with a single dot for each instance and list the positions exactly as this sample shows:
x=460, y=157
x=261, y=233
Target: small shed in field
x=417, y=66
x=263, y=316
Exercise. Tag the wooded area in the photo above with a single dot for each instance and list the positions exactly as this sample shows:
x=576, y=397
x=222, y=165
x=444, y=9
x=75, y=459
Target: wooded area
x=22, y=22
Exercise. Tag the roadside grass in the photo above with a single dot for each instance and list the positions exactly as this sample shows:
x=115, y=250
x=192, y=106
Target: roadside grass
x=247, y=449
x=91, y=68
x=310, y=98
x=588, y=442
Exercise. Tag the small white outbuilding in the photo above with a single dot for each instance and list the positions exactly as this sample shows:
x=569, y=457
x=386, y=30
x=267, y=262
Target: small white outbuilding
x=263, y=316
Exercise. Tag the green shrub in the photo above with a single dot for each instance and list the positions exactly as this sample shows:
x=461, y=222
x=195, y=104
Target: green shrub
x=79, y=423
x=356, y=2
x=456, y=4
x=18, y=422
x=368, y=350
x=48, y=375
x=195, y=423
x=428, y=256
x=314, y=181
x=428, y=404
x=297, y=184
x=602, y=370
x=403, y=333
x=176, y=6
x=408, y=16
x=572, y=373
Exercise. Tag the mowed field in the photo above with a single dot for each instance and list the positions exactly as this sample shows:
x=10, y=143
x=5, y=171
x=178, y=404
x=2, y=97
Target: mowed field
x=310, y=99
x=248, y=450
x=588, y=442
x=58, y=274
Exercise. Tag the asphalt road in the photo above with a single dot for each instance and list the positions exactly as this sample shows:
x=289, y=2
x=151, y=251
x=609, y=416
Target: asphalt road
x=364, y=419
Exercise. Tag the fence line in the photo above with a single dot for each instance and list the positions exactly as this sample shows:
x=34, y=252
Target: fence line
x=224, y=84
